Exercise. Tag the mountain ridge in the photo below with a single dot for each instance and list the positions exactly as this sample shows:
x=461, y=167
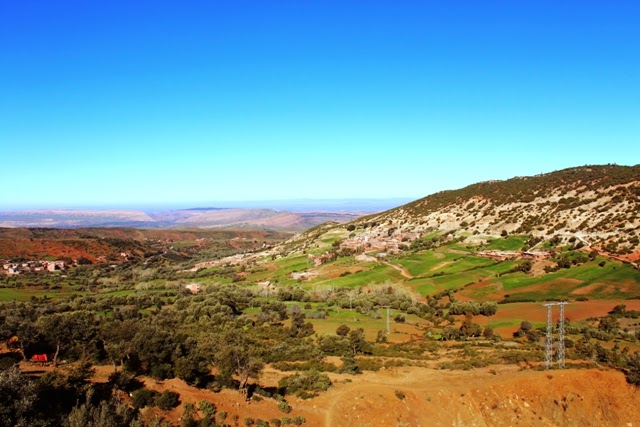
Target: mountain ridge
x=181, y=218
x=596, y=204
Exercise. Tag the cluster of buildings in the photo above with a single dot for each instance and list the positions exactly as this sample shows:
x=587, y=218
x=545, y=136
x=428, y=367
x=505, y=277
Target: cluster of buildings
x=380, y=241
x=14, y=268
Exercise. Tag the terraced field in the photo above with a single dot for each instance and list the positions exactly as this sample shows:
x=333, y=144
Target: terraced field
x=592, y=287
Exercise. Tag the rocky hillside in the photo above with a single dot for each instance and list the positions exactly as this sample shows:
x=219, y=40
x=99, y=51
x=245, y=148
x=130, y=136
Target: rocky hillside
x=596, y=205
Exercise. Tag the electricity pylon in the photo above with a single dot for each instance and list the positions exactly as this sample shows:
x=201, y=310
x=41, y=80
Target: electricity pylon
x=548, y=357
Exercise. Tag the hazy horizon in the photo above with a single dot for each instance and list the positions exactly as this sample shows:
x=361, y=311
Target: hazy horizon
x=365, y=205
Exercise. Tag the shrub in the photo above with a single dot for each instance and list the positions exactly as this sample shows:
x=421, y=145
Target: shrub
x=304, y=383
x=343, y=330
x=284, y=407
x=526, y=325
x=399, y=394
x=207, y=408
x=168, y=400
x=487, y=332
x=449, y=333
x=124, y=380
x=144, y=397
x=295, y=421
x=334, y=345
x=633, y=373
x=349, y=365
x=381, y=337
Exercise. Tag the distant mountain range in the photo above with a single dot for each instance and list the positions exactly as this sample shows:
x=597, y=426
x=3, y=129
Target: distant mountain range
x=182, y=218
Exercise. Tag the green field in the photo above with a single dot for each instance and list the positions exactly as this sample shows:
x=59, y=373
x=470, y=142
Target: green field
x=376, y=274
x=458, y=271
x=449, y=267
x=511, y=243
x=424, y=262
x=25, y=294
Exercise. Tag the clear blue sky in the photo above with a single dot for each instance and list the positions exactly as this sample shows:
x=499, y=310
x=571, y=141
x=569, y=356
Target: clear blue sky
x=133, y=102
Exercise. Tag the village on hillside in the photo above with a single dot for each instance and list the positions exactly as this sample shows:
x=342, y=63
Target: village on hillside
x=15, y=268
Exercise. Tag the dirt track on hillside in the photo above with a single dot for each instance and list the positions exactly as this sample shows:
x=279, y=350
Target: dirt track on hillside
x=405, y=273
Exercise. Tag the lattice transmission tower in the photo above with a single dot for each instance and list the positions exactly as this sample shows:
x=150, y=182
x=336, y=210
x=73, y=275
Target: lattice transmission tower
x=548, y=356
x=561, y=336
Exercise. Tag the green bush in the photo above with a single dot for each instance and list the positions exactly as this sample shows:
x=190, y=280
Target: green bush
x=168, y=400
x=349, y=365
x=295, y=421
x=123, y=380
x=207, y=408
x=144, y=397
x=284, y=407
x=305, y=384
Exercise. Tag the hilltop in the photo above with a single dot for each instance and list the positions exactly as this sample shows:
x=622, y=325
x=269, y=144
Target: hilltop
x=597, y=205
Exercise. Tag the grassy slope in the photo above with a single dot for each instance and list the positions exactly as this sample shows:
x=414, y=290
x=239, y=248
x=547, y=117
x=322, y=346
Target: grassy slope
x=450, y=268
x=513, y=243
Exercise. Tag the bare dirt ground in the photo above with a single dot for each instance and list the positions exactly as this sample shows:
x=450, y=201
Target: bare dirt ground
x=426, y=397
x=417, y=396
x=537, y=269
x=479, y=398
